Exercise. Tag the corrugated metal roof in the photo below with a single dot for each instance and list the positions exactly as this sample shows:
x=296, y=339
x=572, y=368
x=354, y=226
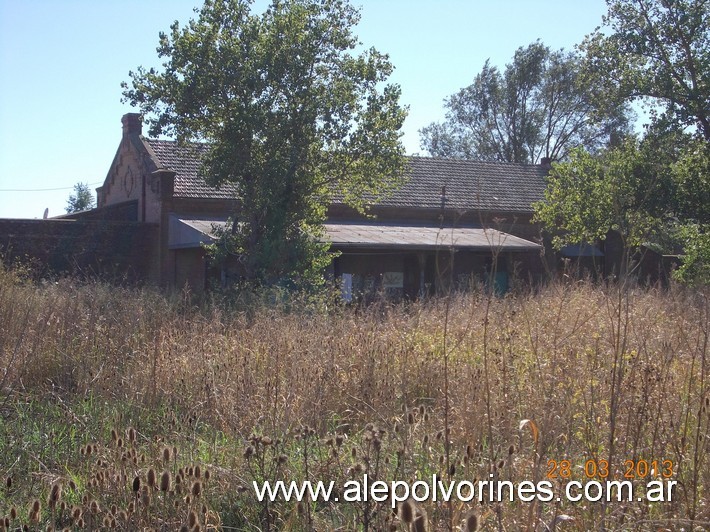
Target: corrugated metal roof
x=192, y=232
x=404, y=236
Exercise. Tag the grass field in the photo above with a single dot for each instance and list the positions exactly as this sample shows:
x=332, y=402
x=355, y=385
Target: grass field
x=129, y=409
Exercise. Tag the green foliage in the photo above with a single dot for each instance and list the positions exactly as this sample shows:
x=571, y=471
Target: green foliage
x=535, y=108
x=695, y=269
x=81, y=200
x=691, y=179
x=290, y=114
x=657, y=50
x=591, y=195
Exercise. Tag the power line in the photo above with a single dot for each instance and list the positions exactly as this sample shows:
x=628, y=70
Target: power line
x=42, y=189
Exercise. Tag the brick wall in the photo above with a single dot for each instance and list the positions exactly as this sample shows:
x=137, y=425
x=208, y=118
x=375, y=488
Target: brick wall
x=119, y=251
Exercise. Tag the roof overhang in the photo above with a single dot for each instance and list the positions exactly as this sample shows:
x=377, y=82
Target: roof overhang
x=192, y=233
x=581, y=250
x=415, y=237
x=185, y=233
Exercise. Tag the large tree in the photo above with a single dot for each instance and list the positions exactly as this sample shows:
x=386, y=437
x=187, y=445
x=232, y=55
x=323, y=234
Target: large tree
x=535, y=108
x=657, y=51
x=617, y=189
x=290, y=114
x=656, y=190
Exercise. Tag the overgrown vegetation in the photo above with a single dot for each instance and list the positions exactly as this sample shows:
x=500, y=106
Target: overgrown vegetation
x=126, y=408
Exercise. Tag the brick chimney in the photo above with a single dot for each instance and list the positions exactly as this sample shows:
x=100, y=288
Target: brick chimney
x=546, y=163
x=132, y=124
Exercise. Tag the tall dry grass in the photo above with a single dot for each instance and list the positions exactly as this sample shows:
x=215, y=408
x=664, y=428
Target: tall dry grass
x=598, y=372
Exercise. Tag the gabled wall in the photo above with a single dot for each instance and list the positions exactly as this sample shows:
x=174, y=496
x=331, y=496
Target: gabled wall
x=130, y=176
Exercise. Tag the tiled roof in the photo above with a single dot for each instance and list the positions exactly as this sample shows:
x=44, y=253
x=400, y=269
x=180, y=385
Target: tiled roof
x=489, y=186
x=185, y=162
x=479, y=185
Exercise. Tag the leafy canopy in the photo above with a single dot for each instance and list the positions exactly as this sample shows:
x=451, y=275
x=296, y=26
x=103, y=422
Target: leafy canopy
x=590, y=195
x=291, y=115
x=656, y=190
x=658, y=51
x=81, y=200
x=535, y=108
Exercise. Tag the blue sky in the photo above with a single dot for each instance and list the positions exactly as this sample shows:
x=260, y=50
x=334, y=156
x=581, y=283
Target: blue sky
x=62, y=63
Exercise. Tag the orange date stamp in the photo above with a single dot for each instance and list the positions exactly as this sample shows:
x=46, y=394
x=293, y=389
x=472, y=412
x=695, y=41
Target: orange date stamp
x=599, y=469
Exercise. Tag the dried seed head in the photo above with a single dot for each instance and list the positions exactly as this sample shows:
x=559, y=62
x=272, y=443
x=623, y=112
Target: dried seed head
x=511, y=450
x=471, y=524
x=131, y=434
x=406, y=512
x=452, y=470
x=55, y=495
x=137, y=484
x=192, y=519
x=249, y=452
x=166, y=455
x=151, y=477
x=198, y=471
x=207, y=474
x=421, y=410
x=421, y=523
x=8, y=482
x=410, y=418
x=114, y=435
x=13, y=513
x=94, y=507
x=196, y=488
x=165, y=481
x=36, y=506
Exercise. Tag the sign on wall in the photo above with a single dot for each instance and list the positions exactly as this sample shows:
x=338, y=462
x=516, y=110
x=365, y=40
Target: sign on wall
x=393, y=280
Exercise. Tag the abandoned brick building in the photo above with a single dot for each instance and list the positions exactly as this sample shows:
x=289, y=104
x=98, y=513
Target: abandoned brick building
x=447, y=223
x=474, y=209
